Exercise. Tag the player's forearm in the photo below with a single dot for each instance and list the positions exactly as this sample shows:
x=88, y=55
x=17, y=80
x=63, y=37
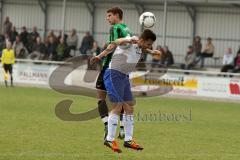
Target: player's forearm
x=108, y=50
x=122, y=41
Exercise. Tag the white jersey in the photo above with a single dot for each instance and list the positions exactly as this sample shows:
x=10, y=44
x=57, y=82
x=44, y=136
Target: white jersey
x=125, y=58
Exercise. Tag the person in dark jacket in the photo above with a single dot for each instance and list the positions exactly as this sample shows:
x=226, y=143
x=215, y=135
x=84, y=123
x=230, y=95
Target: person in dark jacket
x=87, y=43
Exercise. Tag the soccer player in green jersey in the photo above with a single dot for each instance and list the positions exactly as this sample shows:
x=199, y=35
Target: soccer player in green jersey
x=118, y=30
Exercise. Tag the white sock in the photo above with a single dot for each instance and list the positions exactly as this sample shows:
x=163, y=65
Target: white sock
x=121, y=123
x=128, y=122
x=112, y=126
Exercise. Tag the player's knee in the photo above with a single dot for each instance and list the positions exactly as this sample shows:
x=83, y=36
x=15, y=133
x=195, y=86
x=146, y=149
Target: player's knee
x=116, y=109
x=102, y=108
x=131, y=103
x=129, y=109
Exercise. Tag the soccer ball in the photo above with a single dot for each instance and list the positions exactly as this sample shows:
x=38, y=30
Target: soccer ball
x=147, y=19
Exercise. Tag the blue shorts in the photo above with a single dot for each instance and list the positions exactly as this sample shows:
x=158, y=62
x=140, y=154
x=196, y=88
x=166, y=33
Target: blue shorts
x=118, y=86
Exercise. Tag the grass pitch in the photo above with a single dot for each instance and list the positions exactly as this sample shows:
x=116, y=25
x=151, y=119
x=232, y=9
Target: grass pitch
x=169, y=129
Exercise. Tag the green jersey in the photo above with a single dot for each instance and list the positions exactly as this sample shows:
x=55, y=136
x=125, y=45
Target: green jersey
x=116, y=31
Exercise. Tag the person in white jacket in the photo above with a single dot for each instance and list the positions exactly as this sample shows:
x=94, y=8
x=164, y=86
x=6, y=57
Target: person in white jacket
x=227, y=60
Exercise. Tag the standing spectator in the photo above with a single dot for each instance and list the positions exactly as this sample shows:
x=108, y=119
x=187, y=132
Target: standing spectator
x=189, y=59
x=87, y=43
x=13, y=34
x=227, y=60
x=19, y=49
x=7, y=38
x=2, y=43
x=236, y=68
x=8, y=59
x=168, y=59
x=208, y=51
x=7, y=26
x=24, y=36
x=72, y=41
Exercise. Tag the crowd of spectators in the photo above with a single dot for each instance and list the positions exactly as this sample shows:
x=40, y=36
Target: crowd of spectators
x=54, y=47
x=60, y=47
x=197, y=54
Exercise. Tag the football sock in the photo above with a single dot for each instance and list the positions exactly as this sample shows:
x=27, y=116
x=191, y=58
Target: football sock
x=112, y=126
x=128, y=122
x=103, y=111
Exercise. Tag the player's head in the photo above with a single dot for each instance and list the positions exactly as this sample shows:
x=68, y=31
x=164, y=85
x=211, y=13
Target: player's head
x=114, y=15
x=146, y=39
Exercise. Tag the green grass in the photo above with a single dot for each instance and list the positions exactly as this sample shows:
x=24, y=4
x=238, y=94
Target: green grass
x=29, y=129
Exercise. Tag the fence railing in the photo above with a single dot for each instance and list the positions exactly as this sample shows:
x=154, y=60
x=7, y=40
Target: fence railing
x=169, y=70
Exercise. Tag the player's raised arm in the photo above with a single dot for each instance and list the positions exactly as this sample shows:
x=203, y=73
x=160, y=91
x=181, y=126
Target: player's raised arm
x=127, y=40
x=112, y=46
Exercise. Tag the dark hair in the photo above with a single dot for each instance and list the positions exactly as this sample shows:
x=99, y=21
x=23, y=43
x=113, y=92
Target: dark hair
x=209, y=39
x=116, y=10
x=148, y=34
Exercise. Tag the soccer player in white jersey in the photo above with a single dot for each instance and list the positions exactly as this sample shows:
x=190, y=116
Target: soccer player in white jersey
x=116, y=80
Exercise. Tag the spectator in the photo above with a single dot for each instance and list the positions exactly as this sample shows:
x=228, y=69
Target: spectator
x=197, y=47
x=168, y=58
x=208, y=51
x=7, y=26
x=236, y=68
x=24, y=36
x=13, y=34
x=52, y=49
x=227, y=60
x=7, y=38
x=19, y=48
x=34, y=34
x=45, y=54
x=32, y=38
x=2, y=43
x=156, y=59
x=38, y=48
x=51, y=34
x=72, y=41
x=87, y=43
x=189, y=59
x=96, y=50
x=61, y=50
x=60, y=36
